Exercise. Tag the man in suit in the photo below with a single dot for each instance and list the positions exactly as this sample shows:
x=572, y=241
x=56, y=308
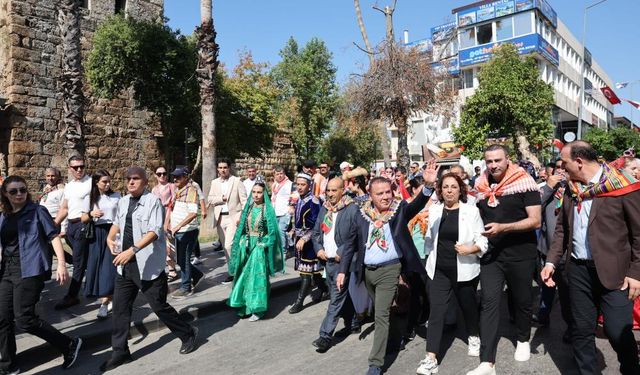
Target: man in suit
x=330, y=236
x=228, y=196
x=598, y=232
x=383, y=250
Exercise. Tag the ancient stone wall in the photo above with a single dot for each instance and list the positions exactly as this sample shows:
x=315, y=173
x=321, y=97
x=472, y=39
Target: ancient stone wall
x=117, y=135
x=282, y=153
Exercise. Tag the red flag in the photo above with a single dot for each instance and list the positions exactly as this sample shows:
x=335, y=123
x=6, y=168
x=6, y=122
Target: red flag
x=635, y=104
x=610, y=95
x=558, y=143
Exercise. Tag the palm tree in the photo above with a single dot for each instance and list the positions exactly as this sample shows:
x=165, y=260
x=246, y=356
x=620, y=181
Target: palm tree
x=73, y=99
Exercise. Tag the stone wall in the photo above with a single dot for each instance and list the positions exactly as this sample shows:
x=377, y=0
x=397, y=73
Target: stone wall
x=116, y=134
x=282, y=153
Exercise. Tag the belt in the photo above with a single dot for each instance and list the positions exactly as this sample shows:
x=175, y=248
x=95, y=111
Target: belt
x=373, y=267
x=332, y=260
x=584, y=262
x=224, y=213
x=73, y=221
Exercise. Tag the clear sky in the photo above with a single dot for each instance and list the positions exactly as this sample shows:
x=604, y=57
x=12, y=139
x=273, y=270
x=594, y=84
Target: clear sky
x=263, y=27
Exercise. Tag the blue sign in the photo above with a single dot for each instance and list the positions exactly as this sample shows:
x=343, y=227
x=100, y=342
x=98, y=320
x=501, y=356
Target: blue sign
x=443, y=32
x=451, y=66
x=423, y=45
x=524, y=44
x=503, y=8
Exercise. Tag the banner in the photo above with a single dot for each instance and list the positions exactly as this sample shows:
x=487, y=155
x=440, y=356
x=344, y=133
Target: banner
x=524, y=44
x=503, y=8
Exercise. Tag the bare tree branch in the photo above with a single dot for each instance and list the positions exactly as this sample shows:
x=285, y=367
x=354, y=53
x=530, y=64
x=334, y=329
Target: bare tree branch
x=363, y=50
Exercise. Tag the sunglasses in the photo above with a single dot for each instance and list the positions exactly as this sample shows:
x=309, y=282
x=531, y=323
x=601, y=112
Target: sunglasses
x=160, y=174
x=21, y=190
x=76, y=167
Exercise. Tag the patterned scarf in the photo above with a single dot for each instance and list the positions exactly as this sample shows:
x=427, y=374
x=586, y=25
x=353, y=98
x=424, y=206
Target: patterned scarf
x=613, y=183
x=275, y=188
x=558, y=196
x=327, y=222
x=516, y=180
x=48, y=189
x=422, y=219
x=378, y=220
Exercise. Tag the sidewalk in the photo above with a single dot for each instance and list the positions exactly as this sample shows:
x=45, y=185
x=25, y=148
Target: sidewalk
x=210, y=298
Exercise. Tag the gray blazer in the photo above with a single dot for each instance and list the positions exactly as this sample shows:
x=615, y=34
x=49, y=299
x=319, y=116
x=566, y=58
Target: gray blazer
x=344, y=221
x=549, y=219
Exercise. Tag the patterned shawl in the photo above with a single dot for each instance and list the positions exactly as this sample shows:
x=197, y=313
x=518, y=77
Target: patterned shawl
x=378, y=220
x=327, y=222
x=516, y=180
x=613, y=183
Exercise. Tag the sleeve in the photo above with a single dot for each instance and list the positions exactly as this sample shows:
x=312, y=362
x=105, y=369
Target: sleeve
x=418, y=203
x=557, y=248
x=156, y=217
x=531, y=198
x=351, y=246
x=478, y=227
x=317, y=236
x=631, y=207
x=547, y=194
x=212, y=198
x=48, y=227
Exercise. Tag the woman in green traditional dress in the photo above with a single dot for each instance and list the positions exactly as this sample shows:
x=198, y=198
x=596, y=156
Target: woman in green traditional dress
x=256, y=254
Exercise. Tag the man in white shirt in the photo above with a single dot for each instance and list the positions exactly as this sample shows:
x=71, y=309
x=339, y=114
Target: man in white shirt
x=280, y=197
x=250, y=180
x=74, y=204
x=228, y=197
x=330, y=235
x=51, y=199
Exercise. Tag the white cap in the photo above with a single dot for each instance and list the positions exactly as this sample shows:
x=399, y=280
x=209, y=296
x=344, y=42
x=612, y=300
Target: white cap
x=345, y=165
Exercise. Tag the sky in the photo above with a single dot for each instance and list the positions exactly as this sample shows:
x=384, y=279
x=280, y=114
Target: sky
x=263, y=27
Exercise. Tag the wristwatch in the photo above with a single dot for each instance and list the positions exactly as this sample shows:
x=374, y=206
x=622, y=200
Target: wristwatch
x=135, y=249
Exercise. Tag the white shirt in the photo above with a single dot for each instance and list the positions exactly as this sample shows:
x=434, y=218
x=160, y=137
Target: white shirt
x=581, y=247
x=248, y=185
x=187, y=202
x=374, y=255
x=76, y=192
x=52, y=201
x=226, y=186
x=281, y=205
x=108, y=204
x=330, y=246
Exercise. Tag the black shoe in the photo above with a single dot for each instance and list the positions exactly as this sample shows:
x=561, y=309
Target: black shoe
x=71, y=356
x=14, y=371
x=228, y=280
x=322, y=344
x=356, y=329
x=191, y=344
x=542, y=320
x=66, y=302
x=115, y=362
x=305, y=287
x=217, y=246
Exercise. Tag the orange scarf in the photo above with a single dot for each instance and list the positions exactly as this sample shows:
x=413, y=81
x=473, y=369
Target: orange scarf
x=516, y=180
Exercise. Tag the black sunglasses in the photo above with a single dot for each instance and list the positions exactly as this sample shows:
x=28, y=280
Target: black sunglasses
x=21, y=190
x=160, y=174
x=76, y=167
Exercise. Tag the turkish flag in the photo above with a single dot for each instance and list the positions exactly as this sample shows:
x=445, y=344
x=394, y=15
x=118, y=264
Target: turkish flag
x=558, y=143
x=610, y=95
x=633, y=103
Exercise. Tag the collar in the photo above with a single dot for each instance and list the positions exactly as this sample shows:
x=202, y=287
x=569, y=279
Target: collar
x=596, y=178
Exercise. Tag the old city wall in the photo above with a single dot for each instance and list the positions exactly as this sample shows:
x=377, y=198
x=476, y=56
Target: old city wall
x=117, y=134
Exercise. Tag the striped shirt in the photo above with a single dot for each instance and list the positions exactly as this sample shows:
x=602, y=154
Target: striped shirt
x=185, y=202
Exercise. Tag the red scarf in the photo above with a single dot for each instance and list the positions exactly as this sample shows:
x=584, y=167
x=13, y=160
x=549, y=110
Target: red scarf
x=275, y=188
x=516, y=180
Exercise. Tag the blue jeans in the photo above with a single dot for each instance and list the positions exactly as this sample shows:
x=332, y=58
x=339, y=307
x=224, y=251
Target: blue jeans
x=185, y=243
x=283, y=223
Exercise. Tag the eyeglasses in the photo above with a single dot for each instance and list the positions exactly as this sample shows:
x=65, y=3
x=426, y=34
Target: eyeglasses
x=160, y=174
x=76, y=167
x=21, y=190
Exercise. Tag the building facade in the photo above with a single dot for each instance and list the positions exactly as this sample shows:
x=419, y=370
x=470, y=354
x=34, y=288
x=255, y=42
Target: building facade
x=464, y=45
x=32, y=129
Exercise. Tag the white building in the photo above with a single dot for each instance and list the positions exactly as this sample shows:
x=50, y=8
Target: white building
x=467, y=43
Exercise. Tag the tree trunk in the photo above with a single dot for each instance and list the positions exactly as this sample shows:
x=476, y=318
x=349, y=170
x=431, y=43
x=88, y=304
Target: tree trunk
x=207, y=66
x=73, y=99
x=403, y=157
x=522, y=148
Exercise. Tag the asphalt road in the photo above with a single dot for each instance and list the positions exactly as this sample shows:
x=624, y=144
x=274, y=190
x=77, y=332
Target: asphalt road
x=281, y=344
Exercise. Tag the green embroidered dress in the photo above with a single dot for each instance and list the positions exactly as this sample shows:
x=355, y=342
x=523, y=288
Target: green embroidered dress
x=256, y=254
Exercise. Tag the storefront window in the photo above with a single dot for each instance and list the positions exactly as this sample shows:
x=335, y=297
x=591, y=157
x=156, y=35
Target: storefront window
x=522, y=24
x=485, y=34
x=467, y=38
x=468, y=78
x=504, y=29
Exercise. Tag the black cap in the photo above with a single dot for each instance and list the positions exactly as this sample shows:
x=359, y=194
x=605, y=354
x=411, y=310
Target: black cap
x=180, y=170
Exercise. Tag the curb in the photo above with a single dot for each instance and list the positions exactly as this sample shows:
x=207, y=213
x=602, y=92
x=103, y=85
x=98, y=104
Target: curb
x=95, y=336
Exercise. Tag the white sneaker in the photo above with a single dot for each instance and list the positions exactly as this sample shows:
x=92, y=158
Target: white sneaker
x=103, y=311
x=485, y=368
x=474, y=346
x=195, y=261
x=523, y=352
x=427, y=366
x=254, y=318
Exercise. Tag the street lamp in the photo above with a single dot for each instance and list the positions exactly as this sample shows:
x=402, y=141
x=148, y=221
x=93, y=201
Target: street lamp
x=582, y=67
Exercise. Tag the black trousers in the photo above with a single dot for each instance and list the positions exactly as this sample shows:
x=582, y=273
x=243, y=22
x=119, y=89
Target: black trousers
x=155, y=291
x=339, y=305
x=80, y=248
x=518, y=275
x=18, y=299
x=587, y=294
x=441, y=290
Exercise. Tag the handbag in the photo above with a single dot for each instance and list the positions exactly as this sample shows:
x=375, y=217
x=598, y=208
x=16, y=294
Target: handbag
x=90, y=230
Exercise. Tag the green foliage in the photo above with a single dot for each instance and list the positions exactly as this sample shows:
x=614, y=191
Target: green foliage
x=308, y=93
x=611, y=144
x=511, y=100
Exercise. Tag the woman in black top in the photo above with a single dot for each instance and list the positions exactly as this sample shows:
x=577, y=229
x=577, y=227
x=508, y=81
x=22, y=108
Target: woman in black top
x=26, y=229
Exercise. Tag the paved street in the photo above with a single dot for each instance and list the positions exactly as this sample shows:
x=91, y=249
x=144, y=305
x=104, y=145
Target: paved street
x=281, y=344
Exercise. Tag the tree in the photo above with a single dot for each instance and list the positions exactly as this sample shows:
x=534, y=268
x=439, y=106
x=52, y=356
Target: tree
x=611, y=144
x=512, y=101
x=399, y=84
x=73, y=99
x=308, y=93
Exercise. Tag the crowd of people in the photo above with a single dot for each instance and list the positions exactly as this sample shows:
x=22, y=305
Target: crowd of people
x=422, y=244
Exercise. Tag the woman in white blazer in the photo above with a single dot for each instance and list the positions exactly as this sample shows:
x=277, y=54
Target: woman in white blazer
x=455, y=244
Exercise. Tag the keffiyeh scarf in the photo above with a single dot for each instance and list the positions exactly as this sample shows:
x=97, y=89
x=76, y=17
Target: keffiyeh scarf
x=516, y=180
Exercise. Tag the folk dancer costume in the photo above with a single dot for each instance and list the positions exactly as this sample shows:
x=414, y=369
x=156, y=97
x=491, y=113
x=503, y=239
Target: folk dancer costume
x=306, y=263
x=256, y=254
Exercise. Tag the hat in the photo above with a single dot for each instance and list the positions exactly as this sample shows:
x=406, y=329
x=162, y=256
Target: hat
x=304, y=175
x=180, y=170
x=345, y=165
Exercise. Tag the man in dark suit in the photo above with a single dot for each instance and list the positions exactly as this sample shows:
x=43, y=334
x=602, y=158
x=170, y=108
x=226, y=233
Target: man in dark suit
x=384, y=250
x=330, y=236
x=598, y=230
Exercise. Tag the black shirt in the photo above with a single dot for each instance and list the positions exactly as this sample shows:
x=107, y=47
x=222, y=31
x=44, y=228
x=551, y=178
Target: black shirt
x=127, y=236
x=512, y=246
x=447, y=238
x=9, y=235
